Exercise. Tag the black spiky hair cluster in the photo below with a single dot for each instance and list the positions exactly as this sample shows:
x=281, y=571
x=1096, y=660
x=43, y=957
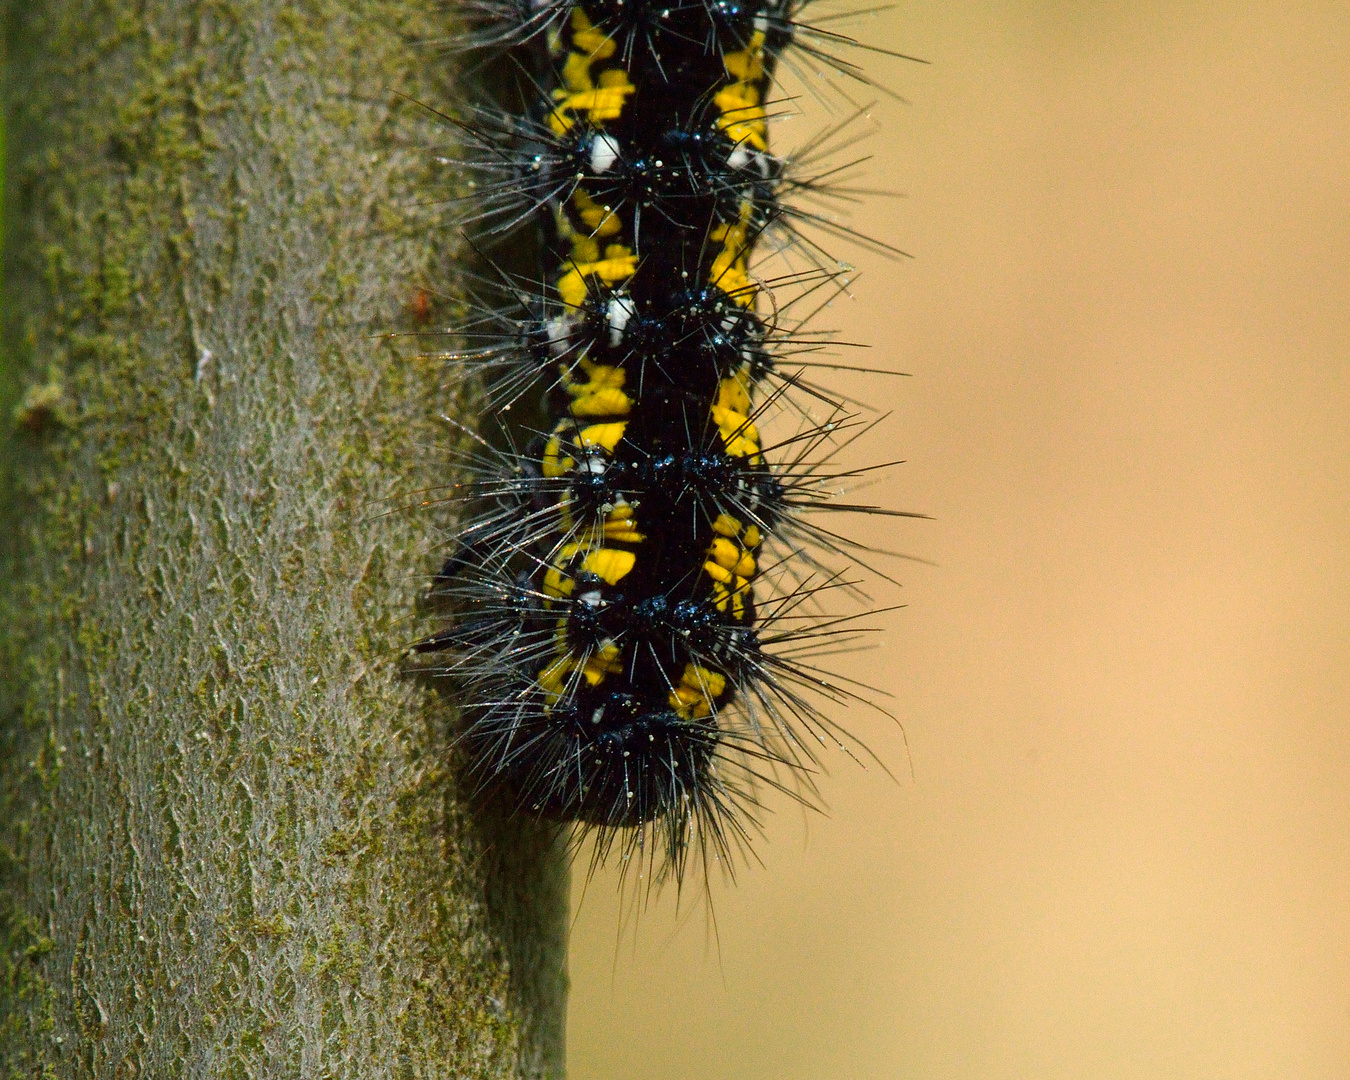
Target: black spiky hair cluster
x=633, y=610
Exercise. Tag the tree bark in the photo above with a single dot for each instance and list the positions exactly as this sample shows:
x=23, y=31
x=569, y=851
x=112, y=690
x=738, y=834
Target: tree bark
x=232, y=844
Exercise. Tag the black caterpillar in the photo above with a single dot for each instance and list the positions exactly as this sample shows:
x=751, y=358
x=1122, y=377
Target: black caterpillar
x=632, y=602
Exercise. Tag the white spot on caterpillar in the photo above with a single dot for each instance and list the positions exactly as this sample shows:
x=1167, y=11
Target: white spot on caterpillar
x=604, y=153
x=621, y=309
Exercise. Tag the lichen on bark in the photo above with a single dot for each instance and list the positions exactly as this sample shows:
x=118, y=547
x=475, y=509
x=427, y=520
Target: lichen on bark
x=230, y=838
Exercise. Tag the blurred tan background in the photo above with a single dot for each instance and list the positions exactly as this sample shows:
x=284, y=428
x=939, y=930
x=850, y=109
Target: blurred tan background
x=1125, y=852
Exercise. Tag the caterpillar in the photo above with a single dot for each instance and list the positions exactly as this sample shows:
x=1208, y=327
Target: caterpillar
x=633, y=608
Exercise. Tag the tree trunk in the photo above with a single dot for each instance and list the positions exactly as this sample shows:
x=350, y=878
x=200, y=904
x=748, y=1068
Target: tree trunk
x=232, y=844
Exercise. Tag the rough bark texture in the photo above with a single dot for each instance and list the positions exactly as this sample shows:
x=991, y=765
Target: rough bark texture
x=231, y=840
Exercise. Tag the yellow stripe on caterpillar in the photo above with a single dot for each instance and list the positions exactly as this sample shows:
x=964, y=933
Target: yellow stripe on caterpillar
x=742, y=116
x=695, y=698
x=601, y=662
x=747, y=65
x=732, y=566
x=600, y=105
x=618, y=266
x=601, y=220
x=604, y=661
x=733, y=391
x=616, y=526
x=555, y=461
x=589, y=47
x=731, y=556
x=603, y=436
x=729, y=270
x=621, y=525
x=550, y=679
x=728, y=596
x=726, y=525
x=557, y=585
x=597, y=664
x=576, y=76
x=595, y=43
x=584, y=247
x=610, y=565
x=739, y=436
x=602, y=101
x=599, y=394
x=731, y=415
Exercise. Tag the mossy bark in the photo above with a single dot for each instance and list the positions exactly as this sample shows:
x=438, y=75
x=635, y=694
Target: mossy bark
x=232, y=844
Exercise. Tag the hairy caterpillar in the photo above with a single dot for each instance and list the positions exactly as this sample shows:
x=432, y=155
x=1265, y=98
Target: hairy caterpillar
x=633, y=602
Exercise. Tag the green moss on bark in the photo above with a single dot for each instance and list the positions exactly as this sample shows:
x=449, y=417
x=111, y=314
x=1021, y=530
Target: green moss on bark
x=231, y=839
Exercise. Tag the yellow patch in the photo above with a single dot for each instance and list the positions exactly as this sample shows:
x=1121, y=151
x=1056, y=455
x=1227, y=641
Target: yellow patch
x=726, y=525
x=731, y=415
x=696, y=696
x=556, y=463
x=729, y=597
x=719, y=574
x=620, y=525
x=604, y=436
x=602, y=662
x=603, y=403
x=615, y=268
x=593, y=42
x=552, y=677
x=601, y=220
x=724, y=553
x=610, y=565
x=747, y=64
x=742, y=116
x=557, y=585
x=576, y=73
x=599, y=394
x=739, y=435
x=600, y=97
x=622, y=532
x=732, y=566
x=731, y=556
x=600, y=105
x=728, y=271
x=584, y=247
x=733, y=392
